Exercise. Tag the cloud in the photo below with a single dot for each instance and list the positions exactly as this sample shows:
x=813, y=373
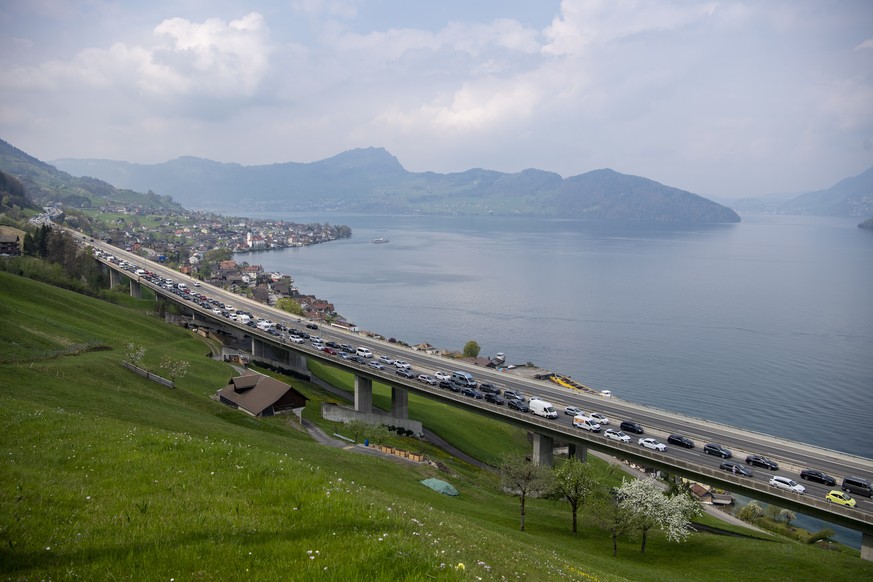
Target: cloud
x=213, y=58
x=867, y=44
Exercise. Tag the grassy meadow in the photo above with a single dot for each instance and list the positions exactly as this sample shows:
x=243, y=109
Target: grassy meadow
x=106, y=476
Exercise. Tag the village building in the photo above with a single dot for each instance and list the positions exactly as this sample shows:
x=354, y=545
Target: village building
x=261, y=395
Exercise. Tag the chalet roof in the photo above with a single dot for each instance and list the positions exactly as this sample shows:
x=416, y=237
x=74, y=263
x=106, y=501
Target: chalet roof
x=9, y=238
x=255, y=393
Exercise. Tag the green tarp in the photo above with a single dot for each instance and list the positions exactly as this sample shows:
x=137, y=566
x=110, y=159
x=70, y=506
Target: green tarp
x=440, y=486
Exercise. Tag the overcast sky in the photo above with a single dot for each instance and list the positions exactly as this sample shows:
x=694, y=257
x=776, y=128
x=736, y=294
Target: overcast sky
x=721, y=98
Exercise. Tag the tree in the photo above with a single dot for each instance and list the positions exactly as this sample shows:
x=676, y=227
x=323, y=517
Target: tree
x=613, y=516
x=751, y=511
x=134, y=353
x=379, y=433
x=174, y=368
x=471, y=349
x=575, y=482
x=788, y=516
x=289, y=305
x=522, y=477
x=645, y=501
x=357, y=428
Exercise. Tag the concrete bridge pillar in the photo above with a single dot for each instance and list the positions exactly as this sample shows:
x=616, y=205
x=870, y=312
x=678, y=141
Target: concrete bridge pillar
x=399, y=402
x=257, y=348
x=114, y=278
x=578, y=451
x=363, y=394
x=542, y=449
x=135, y=289
x=867, y=546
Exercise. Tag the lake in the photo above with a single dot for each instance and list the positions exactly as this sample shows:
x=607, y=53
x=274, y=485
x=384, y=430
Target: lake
x=766, y=324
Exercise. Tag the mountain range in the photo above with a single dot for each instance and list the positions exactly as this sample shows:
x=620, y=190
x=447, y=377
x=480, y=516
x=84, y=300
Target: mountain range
x=371, y=180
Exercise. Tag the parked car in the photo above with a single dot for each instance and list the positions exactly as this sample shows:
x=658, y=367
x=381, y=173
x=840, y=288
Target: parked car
x=616, y=435
x=787, y=484
x=631, y=426
x=516, y=404
x=493, y=398
x=442, y=376
x=762, y=461
x=427, y=379
x=600, y=418
x=840, y=498
x=717, y=450
x=471, y=392
x=736, y=468
x=680, y=441
x=818, y=477
x=573, y=411
x=405, y=373
x=377, y=365
x=651, y=443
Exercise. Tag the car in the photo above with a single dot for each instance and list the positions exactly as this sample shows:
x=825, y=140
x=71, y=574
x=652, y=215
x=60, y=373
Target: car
x=357, y=359
x=818, y=477
x=442, y=376
x=377, y=365
x=651, y=443
x=631, y=426
x=471, y=392
x=600, y=418
x=840, y=498
x=295, y=339
x=329, y=351
x=533, y=398
x=427, y=379
x=762, y=461
x=311, y=326
x=363, y=352
x=315, y=339
x=400, y=364
x=573, y=411
x=332, y=344
x=405, y=373
x=680, y=441
x=486, y=388
x=493, y=398
x=717, y=450
x=736, y=468
x=513, y=395
x=386, y=360
x=787, y=484
x=616, y=435
x=516, y=404
x=447, y=385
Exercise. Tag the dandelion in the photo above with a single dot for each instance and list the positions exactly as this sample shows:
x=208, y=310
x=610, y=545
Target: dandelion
x=460, y=566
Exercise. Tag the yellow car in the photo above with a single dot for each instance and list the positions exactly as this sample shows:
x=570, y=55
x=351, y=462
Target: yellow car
x=837, y=496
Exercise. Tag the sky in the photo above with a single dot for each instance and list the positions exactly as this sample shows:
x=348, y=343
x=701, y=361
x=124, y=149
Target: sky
x=727, y=99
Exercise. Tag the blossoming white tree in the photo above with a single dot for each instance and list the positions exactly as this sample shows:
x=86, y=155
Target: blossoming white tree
x=645, y=501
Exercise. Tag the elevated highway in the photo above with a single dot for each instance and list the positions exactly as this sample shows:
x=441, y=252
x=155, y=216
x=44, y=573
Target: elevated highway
x=691, y=463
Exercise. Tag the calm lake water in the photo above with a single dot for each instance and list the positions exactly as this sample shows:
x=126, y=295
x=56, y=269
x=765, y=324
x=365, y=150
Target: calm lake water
x=766, y=324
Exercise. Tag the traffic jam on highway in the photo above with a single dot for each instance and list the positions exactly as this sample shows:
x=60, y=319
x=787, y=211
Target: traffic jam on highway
x=846, y=491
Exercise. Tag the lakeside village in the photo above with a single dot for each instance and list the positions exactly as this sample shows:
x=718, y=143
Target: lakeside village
x=201, y=245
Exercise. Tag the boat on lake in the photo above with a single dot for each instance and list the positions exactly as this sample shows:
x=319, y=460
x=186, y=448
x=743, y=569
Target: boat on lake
x=379, y=240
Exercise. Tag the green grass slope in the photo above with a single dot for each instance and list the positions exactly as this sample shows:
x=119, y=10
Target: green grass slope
x=104, y=475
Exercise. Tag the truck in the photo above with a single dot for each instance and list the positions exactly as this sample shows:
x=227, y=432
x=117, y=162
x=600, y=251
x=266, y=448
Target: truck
x=543, y=408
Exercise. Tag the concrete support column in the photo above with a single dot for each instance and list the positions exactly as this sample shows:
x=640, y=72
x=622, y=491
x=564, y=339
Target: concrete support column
x=542, y=449
x=135, y=289
x=363, y=394
x=297, y=361
x=867, y=546
x=114, y=278
x=578, y=451
x=399, y=402
x=257, y=348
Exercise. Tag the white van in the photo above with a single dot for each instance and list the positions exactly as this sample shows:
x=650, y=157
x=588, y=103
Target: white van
x=463, y=379
x=587, y=423
x=542, y=408
x=364, y=352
